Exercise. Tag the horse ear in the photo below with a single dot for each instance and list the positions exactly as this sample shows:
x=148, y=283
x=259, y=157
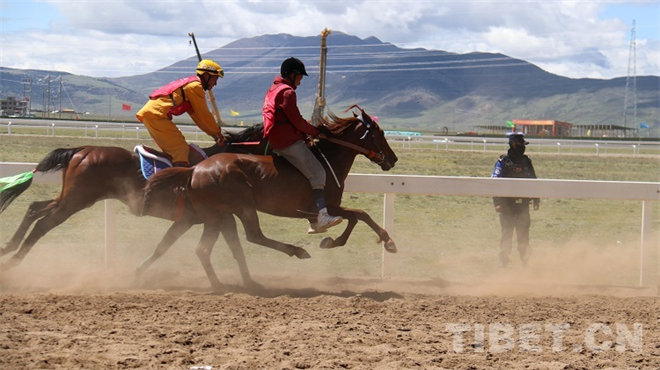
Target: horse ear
x=366, y=116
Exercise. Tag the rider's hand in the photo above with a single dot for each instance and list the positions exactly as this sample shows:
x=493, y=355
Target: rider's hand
x=219, y=139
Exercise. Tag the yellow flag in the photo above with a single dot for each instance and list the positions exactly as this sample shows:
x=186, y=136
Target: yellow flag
x=233, y=113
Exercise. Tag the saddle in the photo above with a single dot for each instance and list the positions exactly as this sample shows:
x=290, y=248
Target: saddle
x=152, y=160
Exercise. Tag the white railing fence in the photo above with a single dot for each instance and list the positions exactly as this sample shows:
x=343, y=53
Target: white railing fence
x=137, y=131
x=390, y=185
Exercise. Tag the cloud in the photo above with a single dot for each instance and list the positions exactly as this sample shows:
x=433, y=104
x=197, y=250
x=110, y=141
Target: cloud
x=127, y=37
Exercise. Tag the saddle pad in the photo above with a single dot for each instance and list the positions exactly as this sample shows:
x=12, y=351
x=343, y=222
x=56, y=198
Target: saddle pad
x=150, y=163
x=198, y=150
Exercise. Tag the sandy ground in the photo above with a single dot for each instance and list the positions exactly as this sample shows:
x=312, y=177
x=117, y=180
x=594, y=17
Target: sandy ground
x=81, y=321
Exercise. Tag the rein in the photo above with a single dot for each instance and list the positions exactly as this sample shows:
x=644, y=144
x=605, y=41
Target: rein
x=369, y=153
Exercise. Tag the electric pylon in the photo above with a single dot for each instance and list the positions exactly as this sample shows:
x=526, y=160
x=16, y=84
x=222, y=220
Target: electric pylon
x=630, y=99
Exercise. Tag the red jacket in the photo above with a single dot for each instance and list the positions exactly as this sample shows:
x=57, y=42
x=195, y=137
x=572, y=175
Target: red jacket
x=283, y=123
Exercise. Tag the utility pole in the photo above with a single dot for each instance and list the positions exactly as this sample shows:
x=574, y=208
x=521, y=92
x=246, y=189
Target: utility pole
x=60, y=96
x=48, y=96
x=27, y=94
x=630, y=98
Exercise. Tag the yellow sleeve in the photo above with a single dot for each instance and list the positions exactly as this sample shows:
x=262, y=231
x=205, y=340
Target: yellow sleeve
x=200, y=113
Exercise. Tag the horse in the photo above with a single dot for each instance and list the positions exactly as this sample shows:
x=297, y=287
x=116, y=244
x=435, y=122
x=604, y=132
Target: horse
x=94, y=173
x=241, y=185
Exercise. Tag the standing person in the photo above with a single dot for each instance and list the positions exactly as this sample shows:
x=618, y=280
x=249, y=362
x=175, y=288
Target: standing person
x=514, y=212
x=185, y=95
x=286, y=131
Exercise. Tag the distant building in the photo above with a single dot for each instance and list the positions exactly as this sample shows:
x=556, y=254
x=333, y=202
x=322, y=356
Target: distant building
x=542, y=128
x=13, y=107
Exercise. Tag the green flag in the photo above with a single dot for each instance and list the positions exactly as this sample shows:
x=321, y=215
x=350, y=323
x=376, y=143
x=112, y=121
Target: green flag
x=509, y=124
x=11, y=181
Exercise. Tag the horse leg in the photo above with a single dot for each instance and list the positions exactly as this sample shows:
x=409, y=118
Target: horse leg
x=353, y=215
x=253, y=233
x=35, y=211
x=53, y=218
x=172, y=235
x=230, y=233
x=204, y=249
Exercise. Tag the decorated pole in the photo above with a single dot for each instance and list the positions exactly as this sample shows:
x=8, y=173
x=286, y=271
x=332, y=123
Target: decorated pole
x=211, y=97
x=319, y=105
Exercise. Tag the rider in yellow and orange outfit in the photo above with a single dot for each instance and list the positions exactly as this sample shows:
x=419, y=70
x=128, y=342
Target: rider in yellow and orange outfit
x=185, y=95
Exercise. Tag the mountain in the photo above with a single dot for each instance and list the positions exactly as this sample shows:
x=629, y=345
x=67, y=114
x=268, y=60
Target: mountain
x=414, y=89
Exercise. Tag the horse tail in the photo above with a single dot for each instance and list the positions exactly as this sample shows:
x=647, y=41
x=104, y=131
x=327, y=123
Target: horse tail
x=12, y=187
x=169, y=183
x=57, y=159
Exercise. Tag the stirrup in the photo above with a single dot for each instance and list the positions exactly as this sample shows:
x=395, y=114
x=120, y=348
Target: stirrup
x=313, y=230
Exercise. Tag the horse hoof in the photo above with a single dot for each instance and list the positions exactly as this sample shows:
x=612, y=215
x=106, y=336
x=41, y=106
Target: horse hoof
x=327, y=243
x=390, y=246
x=302, y=254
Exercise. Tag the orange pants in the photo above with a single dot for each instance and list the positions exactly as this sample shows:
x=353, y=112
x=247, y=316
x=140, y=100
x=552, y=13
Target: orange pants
x=168, y=137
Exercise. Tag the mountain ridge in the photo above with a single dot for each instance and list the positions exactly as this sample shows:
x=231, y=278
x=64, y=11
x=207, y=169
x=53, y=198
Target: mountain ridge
x=407, y=88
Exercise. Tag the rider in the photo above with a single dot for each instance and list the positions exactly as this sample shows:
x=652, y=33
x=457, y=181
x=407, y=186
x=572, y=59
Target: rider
x=185, y=95
x=287, y=130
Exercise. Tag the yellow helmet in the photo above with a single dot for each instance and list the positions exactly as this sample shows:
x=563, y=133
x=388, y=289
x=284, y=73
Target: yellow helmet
x=211, y=67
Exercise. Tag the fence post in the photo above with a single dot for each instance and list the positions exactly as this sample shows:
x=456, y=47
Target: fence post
x=110, y=233
x=9, y=128
x=646, y=251
x=388, y=224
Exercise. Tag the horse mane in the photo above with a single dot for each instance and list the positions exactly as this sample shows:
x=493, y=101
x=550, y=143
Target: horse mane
x=335, y=125
x=252, y=133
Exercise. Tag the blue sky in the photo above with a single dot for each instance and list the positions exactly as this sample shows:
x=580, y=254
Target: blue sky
x=111, y=38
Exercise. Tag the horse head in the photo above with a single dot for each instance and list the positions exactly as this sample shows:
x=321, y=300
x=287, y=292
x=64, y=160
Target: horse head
x=364, y=135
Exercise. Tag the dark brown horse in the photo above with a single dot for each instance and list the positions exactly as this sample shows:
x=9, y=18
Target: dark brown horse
x=92, y=173
x=241, y=185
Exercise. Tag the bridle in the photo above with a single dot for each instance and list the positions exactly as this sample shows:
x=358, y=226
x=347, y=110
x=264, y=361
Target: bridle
x=376, y=157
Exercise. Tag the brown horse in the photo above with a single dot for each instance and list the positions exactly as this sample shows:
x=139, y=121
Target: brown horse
x=242, y=185
x=93, y=173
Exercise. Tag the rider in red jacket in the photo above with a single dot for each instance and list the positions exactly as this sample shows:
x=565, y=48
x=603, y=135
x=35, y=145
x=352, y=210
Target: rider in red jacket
x=287, y=130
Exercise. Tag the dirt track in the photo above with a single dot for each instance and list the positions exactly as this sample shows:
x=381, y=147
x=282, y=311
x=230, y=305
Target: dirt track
x=326, y=323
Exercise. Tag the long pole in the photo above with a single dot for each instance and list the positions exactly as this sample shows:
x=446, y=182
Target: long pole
x=211, y=97
x=319, y=105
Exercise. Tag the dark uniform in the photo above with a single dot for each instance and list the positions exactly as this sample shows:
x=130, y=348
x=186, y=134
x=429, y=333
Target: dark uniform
x=514, y=212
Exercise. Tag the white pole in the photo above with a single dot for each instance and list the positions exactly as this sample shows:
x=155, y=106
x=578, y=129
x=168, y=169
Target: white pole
x=646, y=251
x=388, y=224
x=110, y=233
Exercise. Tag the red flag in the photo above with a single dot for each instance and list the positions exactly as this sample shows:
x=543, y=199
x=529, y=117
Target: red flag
x=125, y=107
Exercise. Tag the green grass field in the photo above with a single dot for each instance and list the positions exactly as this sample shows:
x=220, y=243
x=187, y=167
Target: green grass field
x=439, y=237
